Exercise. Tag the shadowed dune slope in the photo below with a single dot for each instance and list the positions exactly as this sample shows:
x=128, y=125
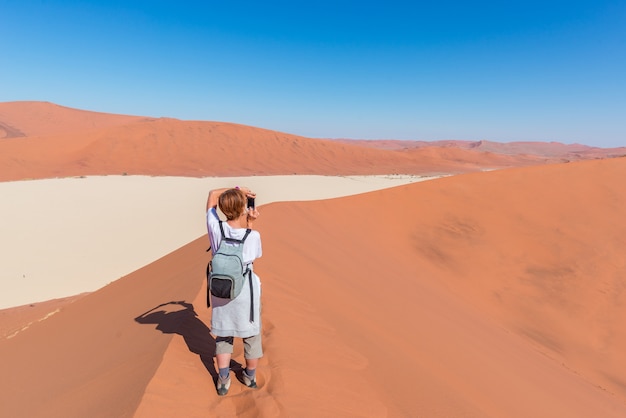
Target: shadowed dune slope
x=496, y=294
x=42, y=140
x=92, y=359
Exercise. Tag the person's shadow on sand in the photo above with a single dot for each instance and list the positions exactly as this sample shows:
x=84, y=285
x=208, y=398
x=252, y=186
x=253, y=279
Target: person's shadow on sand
x=184, y=322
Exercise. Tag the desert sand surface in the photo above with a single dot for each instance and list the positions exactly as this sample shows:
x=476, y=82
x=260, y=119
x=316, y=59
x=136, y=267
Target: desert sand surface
x=67, y=236
x=490, y=293
x=493, y=294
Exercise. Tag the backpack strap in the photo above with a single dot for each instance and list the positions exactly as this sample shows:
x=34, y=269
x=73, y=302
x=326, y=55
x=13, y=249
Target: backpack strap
x=233, y=240
x=249, y=274
x=251, y=295
x=208, y=286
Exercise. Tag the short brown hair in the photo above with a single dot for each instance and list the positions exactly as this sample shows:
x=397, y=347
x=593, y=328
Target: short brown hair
x=232, y=203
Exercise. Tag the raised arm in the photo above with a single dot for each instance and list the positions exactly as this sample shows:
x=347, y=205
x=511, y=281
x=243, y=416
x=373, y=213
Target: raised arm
x=213, y=198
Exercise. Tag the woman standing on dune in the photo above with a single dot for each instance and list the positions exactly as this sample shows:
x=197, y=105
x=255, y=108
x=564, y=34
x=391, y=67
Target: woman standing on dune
x=232, y=318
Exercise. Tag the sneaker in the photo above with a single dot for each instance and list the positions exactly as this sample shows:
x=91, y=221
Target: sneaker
x=223, y=384
x=247, y=380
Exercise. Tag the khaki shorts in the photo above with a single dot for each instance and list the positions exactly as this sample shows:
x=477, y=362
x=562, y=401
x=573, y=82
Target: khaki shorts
x=251, y=346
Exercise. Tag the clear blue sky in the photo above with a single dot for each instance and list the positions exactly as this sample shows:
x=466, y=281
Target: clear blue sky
x=446, y=69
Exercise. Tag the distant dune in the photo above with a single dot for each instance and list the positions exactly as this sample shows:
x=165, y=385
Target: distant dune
x=43, y=140
x=27, y=119
x=485, y=294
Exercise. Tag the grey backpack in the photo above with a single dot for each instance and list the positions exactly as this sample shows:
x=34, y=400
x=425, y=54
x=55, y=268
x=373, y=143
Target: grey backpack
x=227, y=272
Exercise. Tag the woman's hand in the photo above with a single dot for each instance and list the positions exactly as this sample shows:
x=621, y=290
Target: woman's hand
x=247, y=191
x=253, y=214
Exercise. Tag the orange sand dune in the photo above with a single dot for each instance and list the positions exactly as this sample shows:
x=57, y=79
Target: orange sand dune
x=24, y=119
x=494, y=294
x=42, y=140
x=173, y=147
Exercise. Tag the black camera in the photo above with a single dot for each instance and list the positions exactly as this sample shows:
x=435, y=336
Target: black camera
x=250, y=202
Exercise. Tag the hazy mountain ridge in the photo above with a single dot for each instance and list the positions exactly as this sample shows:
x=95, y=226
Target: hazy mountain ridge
x=541, y=149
